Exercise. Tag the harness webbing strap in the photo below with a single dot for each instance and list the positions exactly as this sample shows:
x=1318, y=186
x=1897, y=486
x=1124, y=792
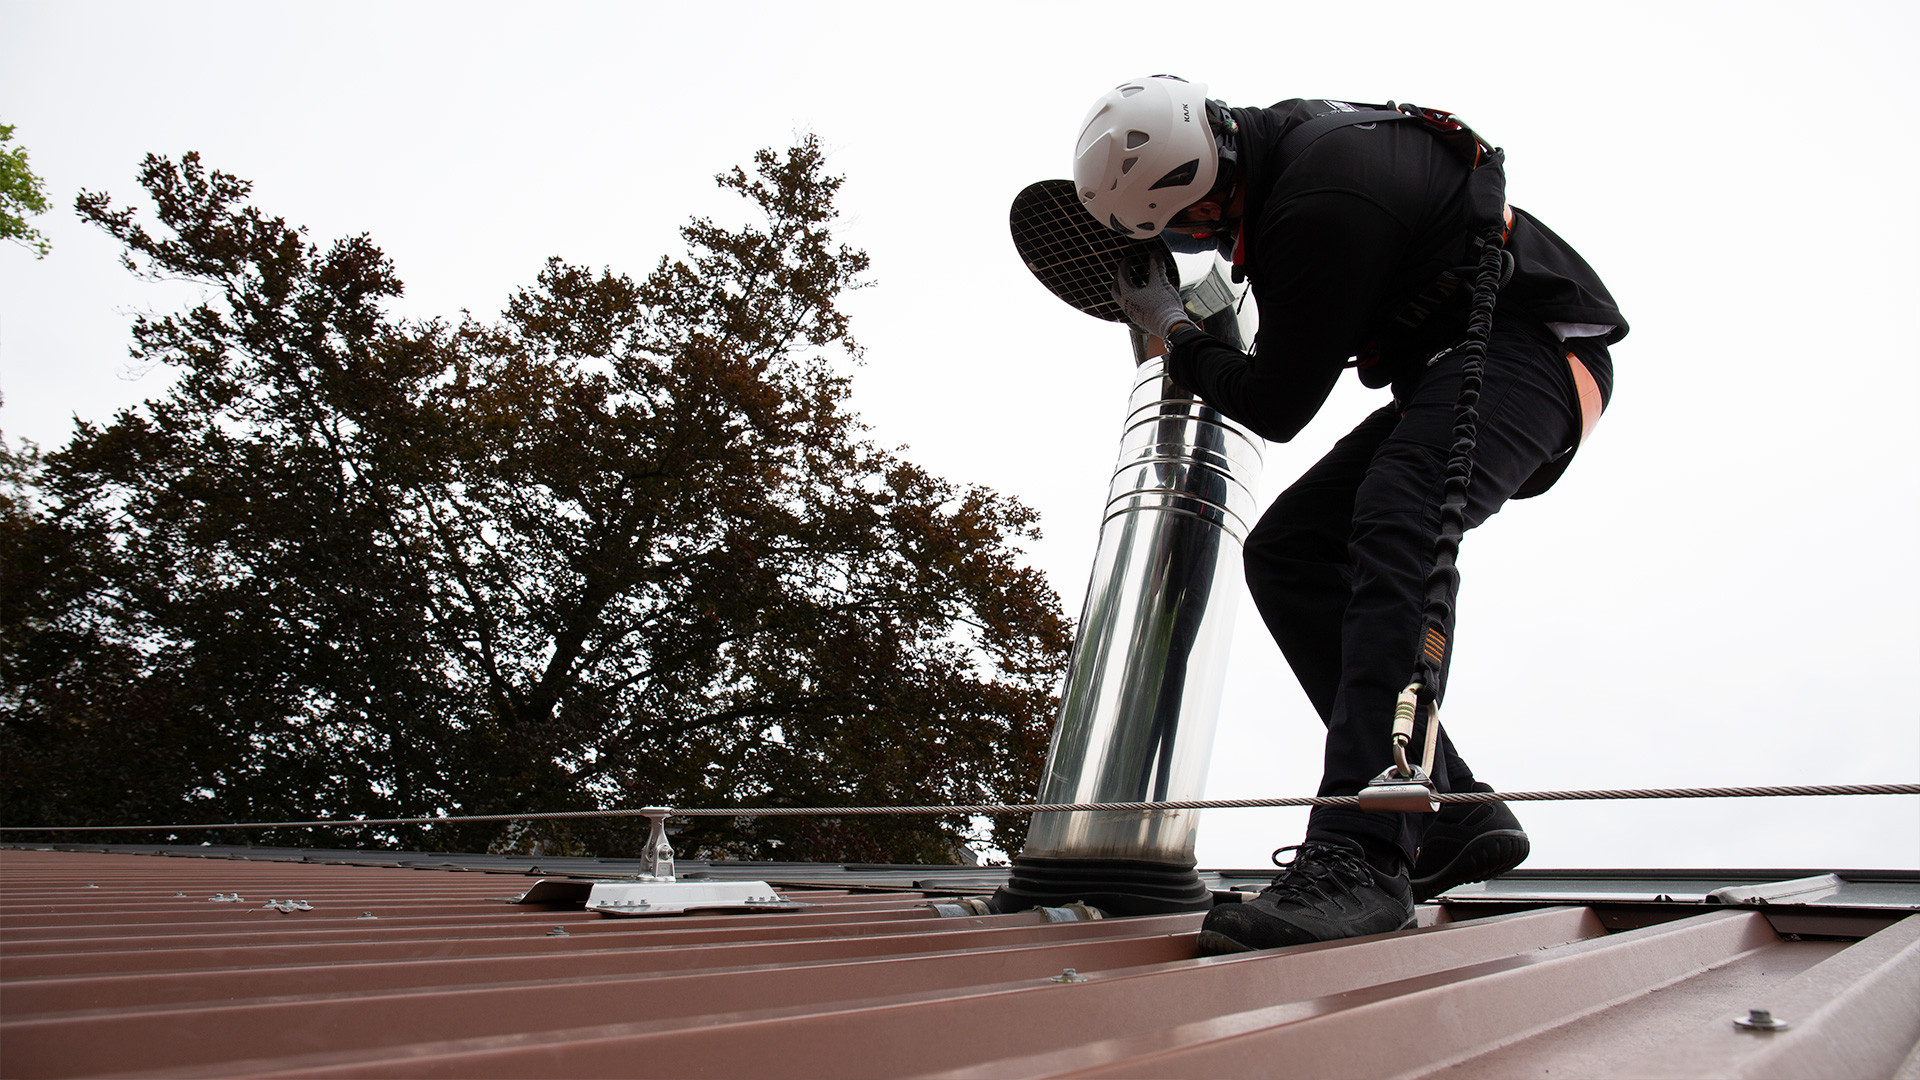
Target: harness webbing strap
x=1295, y=142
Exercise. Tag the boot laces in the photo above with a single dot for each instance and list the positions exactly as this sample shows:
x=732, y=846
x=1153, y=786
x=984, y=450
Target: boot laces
x=1329, y=870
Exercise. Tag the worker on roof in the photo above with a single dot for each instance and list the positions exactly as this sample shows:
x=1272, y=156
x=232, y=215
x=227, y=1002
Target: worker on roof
x=1351, y=236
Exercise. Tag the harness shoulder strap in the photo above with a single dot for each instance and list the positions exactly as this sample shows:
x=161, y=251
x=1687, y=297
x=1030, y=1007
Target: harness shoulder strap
x=1295, y=142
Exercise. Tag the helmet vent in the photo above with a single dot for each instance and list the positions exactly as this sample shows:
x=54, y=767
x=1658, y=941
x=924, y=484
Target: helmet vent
x=1136, y=139
x=1127, y=165
x=1179, y=177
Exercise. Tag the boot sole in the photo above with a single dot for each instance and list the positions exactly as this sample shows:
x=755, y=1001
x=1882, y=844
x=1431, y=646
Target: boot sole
x=1214, y=943
x=1218, y=944
x=1489, y=854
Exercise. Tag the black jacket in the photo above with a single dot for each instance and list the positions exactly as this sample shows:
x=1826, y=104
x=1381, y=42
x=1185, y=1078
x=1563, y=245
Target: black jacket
x=1336, y=242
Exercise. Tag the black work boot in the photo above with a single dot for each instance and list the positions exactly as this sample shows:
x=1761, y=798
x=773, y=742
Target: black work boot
x=1468, y=842
x=1328, y=891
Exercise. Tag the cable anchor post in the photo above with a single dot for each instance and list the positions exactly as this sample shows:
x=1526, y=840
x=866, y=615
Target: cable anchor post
x=1406, y=788
x=659, y=850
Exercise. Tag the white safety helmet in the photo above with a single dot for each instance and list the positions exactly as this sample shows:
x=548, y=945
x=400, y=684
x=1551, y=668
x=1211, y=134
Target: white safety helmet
x=1146, y=152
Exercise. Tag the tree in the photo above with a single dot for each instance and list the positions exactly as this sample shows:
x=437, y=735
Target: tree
x=21, y=195
x=626, y=545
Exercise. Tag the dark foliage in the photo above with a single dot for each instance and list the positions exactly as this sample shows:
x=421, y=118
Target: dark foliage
x=625, y=546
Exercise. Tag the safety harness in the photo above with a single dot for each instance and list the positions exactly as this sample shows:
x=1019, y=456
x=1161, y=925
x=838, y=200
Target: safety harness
x=1487, y=205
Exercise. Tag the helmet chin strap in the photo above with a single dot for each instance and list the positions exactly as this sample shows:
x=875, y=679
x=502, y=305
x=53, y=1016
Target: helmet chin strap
x=1225, y=193
x=1209, y=238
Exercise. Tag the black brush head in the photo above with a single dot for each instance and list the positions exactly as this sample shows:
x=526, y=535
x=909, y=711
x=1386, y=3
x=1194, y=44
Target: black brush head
x=1074, y=255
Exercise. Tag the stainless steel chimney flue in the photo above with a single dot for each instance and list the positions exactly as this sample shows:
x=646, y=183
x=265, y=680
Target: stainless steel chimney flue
x=1142, y=695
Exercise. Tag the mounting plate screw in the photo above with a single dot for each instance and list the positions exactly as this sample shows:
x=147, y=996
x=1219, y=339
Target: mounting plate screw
x=558, y=931
x=1760, y=1020
x=1068, y=975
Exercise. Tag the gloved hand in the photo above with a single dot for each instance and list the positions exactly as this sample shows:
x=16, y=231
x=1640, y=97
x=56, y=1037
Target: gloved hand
x=1153, y=307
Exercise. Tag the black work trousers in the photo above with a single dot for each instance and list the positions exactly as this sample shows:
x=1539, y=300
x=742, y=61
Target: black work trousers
x=1338, y=563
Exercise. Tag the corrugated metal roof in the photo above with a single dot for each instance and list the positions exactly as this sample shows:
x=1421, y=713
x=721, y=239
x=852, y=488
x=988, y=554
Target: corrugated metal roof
x=113, y=963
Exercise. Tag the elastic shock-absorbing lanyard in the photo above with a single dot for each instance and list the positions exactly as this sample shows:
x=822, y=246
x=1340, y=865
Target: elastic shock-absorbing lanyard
x=1405, y=786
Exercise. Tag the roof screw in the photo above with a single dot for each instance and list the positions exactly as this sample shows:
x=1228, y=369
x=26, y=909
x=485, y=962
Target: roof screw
x=1760, y=1020
x=368, y=915
x=558, y=931
x=1068, y=975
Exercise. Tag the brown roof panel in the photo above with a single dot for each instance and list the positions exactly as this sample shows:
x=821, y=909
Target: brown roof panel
x=121, y=964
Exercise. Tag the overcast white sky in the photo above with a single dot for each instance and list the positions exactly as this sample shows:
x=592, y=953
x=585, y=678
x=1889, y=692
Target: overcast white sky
x=1721, y=592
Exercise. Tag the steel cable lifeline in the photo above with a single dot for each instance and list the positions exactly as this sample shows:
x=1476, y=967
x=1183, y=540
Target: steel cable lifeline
x=1578, y=795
